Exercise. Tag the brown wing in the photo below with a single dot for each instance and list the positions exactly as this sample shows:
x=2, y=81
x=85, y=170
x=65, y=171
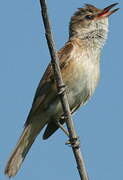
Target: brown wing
x=46, y=90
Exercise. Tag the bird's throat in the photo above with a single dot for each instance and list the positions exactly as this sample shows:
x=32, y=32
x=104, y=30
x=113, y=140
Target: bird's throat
x=94, y=38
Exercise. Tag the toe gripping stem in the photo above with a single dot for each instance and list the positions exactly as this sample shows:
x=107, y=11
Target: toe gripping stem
x=61, y=89
x=74, y=142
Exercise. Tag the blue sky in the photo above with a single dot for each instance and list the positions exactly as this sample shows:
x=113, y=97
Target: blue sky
x=23, y=58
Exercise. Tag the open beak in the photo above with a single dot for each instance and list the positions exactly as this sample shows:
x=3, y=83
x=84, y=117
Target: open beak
x=106, y=11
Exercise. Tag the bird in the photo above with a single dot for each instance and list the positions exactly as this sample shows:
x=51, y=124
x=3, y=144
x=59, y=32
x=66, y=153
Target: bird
x=79, y=61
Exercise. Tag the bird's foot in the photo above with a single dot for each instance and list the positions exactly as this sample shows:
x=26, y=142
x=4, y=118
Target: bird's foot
x=74, y=142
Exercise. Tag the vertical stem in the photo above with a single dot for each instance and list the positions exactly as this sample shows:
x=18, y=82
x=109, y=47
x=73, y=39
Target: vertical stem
x=62, y=94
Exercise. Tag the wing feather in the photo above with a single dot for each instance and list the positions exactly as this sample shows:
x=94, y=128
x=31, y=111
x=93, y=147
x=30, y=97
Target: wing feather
x=46, y=90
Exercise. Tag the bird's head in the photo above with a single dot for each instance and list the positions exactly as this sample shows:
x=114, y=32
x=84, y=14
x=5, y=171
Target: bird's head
x=91, y=22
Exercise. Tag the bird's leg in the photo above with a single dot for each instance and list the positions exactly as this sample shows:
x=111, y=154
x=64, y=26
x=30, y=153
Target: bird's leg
x=62, y=128
x=74, y=142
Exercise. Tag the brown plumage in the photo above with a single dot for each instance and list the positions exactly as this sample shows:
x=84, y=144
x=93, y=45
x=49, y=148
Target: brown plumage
x=79, y=63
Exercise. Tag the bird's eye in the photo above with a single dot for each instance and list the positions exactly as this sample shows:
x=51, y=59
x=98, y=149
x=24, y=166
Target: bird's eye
x=89, y=17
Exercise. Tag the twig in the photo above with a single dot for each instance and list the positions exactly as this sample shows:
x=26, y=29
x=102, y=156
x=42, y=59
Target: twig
x=62, y=94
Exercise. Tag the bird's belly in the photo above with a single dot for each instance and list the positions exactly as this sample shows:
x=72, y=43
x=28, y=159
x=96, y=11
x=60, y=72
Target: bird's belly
x=80, y=83
x=78, y=91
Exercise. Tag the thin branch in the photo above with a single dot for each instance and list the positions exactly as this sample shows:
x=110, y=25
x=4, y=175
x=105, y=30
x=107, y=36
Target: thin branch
x=62, y=94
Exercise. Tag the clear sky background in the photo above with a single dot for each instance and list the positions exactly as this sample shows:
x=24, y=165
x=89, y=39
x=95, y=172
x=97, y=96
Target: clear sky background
x=23, y=58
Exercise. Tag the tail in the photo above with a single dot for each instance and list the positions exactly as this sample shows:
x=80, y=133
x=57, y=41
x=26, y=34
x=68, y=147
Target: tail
x=24, y=144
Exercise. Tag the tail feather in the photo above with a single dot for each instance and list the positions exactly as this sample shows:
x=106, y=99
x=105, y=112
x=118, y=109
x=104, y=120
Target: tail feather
x=26, y=140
